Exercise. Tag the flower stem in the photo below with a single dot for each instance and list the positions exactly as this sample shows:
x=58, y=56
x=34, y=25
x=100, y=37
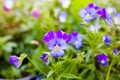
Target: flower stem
x=108, y=73
x=36, y=66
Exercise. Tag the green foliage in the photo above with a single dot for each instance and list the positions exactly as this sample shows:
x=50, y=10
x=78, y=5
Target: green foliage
x=18, y=28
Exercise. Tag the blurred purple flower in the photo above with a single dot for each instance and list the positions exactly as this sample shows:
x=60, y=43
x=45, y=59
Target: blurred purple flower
x=111, y=10
x=102, y=59
x=115, y=51
x=103, y=13
x=8, y=4
x=62, y=17
x=35, y=13
x=57, y=42
x=44, y=57
x=107, y=39
x=15, y=61
x=116, y=18
x=89, y=13
x=76, y=40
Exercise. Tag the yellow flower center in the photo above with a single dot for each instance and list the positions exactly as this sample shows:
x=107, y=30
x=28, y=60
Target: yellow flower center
x=56, y=47
x=88, y=16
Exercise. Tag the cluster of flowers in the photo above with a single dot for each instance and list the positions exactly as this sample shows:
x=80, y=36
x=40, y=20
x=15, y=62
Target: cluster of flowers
x=93, y=11
x=8, y=5
x=59, y=41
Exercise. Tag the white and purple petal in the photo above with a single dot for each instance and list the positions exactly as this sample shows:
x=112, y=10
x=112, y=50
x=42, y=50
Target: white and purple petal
x=83, y=13
x=57, y=53
x=51, y=44
x=62, y=44
x=62, y=17
x=8, y=4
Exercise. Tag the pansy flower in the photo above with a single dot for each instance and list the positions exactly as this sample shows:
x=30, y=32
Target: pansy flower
x=115, y=51
x=102, y=59
x=103, y=13
x=8, y=4
x=76, y=40
x=44, y=57
x=62, y=17
x=35, y=12
x=107, y=39
x=89, y=13
x=17, y=61
x=57, y=42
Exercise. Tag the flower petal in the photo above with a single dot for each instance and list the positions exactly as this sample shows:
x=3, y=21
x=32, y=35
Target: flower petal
x=51, y=44
x=44, y=57
x=14, y=60
x=83, y=12
x=57, y=53
x=62, y=44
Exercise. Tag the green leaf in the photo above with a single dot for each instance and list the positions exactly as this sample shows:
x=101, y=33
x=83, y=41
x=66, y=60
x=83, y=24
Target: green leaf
x=50, y=73
x=69, y=76
x=8, y=46
x=88, y=55
x=4, y=39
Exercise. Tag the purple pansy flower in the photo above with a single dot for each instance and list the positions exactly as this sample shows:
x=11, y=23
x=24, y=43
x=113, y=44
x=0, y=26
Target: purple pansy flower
x=15, y=61
x=103, y=13
x=107, y=39
x=62, y=17
x=8, y=4
x=76, y=40
x=44, y=57
x=89, y=13
x=115, y=51
x=102, y=59
x=35, y=13
x=57, y=42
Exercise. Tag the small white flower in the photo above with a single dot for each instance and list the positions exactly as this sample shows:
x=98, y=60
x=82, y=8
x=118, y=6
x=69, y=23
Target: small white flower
x=65, y=3
x=8, y=4
x=62, y=17
x=93, y=28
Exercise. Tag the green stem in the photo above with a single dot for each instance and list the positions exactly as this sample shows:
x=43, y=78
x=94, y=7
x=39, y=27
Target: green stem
x=108, y=73
x=36, y=66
